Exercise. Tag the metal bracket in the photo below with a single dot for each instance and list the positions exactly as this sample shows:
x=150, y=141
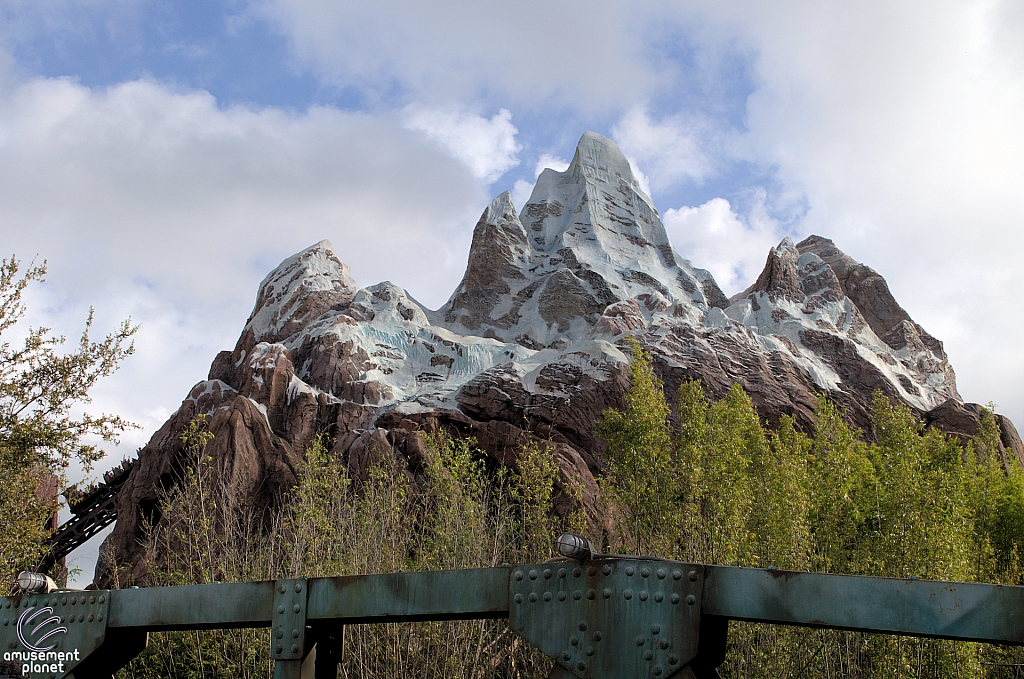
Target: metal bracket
x=607, y=618
x=66, y=626
x=288, y=629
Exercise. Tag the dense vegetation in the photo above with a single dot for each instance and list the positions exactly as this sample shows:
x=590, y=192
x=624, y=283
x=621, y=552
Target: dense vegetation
x=702, y=481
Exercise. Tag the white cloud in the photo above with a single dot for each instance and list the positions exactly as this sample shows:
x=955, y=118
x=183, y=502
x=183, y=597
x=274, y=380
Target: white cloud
x=716, y=238
x=160, y=205
x=487, y=146
x=672, y=149
x=900, y=124
x=548, y=160
x=455, y=50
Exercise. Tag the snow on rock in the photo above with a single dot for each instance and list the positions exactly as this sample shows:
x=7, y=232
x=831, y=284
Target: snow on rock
x=533, y=342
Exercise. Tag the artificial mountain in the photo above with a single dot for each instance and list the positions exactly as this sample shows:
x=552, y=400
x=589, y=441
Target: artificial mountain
x=533, y=343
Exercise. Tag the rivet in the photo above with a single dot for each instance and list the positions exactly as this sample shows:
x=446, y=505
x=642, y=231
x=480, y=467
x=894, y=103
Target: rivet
x=519, y=575
x=674, y=598
x=655, y=629
x=607, y=593
x=642, y=595
x=561, y=572
x=278, y=650
x=630, y=570
x=576, y=595
x=533, y=575
x=81, y=618
x=295, y=633
x=659, y=597
x=648, y=655
x=672, y=660
x=645, y=572
x=690, y=599
x=592, y=570
x=591, y=594
x=692, y=576
x=657, y=670
x=280, y=609
x=298, y=587
x=74, y=601
x=582, y=626
x=533, y=597
x=6, y=622
x=607, y=570
x=566, y=655
x=561, y=596
x=581, y=665
x=574, y=641
x=576, y=572
x=663, y=644
x=280, y=634
x=7, y=604
x=589, y=650
x=519, y=598
x=598, y=636
x=99, y=617
x=91, y=617
x=640, y=641
x=103, y=599
x=296, y=608
x=295, y=648
x=547, y=573
x=281, y=589
x=662, y=573
x=627, y=594
x=547, y=596
x=92, y=599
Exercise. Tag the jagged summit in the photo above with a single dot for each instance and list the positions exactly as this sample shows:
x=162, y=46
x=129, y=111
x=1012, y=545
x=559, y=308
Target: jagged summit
x=532, y=345
x=587, y=237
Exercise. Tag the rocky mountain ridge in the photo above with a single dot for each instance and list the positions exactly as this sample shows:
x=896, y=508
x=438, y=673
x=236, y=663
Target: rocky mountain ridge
x=532, y=344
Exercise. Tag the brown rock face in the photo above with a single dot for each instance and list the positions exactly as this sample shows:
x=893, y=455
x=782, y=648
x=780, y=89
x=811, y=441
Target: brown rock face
x=532, y=346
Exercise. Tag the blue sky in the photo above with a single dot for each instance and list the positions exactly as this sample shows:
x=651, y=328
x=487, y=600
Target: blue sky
x=165, y=156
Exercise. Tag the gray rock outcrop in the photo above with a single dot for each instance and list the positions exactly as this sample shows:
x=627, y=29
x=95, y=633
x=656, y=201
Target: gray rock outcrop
x=532, y=344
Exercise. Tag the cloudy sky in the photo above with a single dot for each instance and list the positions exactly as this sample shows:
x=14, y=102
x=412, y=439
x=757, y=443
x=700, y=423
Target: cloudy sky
x=163, y=157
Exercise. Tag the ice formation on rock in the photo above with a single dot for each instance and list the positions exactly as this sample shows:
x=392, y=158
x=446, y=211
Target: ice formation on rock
x=532, y=344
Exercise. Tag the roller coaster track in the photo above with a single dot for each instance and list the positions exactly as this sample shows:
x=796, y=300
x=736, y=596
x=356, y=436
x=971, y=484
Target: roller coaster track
x=92, y=511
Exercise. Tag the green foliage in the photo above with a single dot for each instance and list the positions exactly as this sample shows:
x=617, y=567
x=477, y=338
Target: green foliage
x=41, y=425
x=912, y=503
x=701, y=481
x=641, y=478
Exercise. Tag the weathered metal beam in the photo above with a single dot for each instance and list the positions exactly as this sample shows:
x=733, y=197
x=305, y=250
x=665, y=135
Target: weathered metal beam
x=217, y=606
x=922, y=608
x=430, y=595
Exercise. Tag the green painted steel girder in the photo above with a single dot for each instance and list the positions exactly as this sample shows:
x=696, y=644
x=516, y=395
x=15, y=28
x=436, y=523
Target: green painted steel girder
x=599, y=618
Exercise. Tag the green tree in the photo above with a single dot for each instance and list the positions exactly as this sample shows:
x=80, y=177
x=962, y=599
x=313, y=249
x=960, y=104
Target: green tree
x=42, y=429
x=641, y=474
